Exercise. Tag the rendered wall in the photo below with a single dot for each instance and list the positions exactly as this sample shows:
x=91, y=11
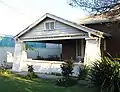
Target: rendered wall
x=42, y=66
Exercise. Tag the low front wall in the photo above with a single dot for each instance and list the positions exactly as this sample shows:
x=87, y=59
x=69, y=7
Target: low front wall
x=43, y=66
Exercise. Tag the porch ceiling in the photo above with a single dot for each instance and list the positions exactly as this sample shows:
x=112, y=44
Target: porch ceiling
x=56, y=41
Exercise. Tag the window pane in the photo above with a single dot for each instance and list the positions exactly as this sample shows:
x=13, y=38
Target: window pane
x=51, y=25
x=47, y=26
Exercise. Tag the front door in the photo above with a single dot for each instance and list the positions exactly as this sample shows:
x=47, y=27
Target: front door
x=80, y=50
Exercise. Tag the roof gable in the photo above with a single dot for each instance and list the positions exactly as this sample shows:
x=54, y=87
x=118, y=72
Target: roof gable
x=74, y=25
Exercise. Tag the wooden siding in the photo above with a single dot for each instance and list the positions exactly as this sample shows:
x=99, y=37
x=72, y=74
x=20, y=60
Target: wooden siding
x=60, y=30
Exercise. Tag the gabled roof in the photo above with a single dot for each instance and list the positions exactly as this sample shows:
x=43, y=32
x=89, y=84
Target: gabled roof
x=75, y=25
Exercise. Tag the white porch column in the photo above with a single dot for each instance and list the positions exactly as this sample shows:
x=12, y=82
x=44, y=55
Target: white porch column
x=92, y=51
x=19, y=56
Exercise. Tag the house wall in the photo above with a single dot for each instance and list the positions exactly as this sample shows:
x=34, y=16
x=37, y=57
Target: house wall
x=3, y=53
x=113, y=28
x=60, y=30
x=43, y=66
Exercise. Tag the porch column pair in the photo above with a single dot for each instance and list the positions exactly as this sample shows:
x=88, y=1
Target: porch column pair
x=92, y=50
x=19, y=56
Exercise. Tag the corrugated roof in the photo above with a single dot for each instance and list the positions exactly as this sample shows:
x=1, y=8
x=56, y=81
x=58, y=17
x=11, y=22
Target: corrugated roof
x=109, y=16
x=6, y=41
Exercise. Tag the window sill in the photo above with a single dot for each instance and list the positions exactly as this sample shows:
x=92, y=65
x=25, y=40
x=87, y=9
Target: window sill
x=50, y=30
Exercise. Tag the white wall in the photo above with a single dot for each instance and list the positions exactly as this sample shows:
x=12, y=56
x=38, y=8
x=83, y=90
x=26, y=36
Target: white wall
x=43, y=66
x=92, y=51
x=3, y=53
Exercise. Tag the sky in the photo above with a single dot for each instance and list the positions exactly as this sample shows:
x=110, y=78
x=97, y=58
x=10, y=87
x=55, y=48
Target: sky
x=16, y=15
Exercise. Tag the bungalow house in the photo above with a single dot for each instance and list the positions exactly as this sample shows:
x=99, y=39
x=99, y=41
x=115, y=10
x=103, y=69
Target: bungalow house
x=79, y=43
x=110, y=26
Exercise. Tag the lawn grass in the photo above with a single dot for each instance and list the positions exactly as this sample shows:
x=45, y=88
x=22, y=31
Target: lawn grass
x=12, y=83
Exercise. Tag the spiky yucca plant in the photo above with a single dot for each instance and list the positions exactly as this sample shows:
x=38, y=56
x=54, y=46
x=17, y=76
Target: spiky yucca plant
x=67, y=68
x=106, y=74
x=83, y=72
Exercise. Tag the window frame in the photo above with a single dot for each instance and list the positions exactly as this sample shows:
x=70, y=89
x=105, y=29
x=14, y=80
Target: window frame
x=49, y=25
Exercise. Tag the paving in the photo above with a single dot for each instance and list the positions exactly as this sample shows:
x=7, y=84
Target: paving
x=43, y=76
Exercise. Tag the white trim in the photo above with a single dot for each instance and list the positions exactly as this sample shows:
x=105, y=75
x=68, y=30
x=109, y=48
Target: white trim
x=91, y=38
x=55, y=37
x=49, y=25
x=60, y=35
x=78, y=26
x=52, y=38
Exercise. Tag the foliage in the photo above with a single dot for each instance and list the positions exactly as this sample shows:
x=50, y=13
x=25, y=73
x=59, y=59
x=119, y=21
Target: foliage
x=3, y=70
x=83, y=72
x=31, y=74
x=67, y=68
x=67, y=79
x=27, y=47
x=106, y=74
x=94, y=6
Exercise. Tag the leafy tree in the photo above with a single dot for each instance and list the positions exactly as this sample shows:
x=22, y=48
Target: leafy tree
x=95, y=6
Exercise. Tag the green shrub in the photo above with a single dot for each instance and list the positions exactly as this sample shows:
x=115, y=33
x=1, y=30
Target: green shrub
x=31, y=74
x=83, y=72
x=2, y=69
x=67, y=79
x=106, y=74
x=67, y=68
